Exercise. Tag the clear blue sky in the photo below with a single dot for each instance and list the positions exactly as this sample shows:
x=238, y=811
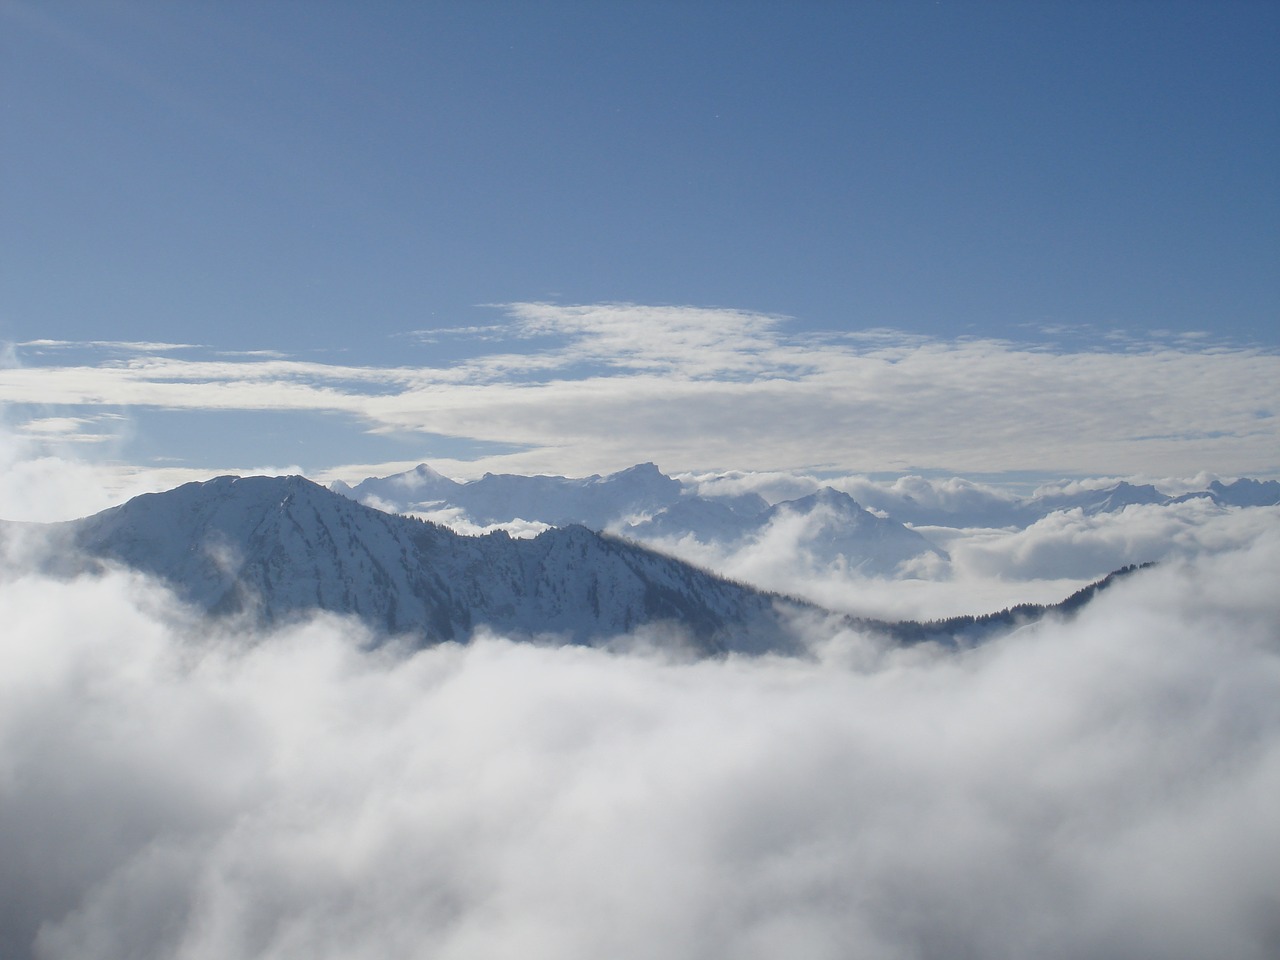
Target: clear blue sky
x=322, y=179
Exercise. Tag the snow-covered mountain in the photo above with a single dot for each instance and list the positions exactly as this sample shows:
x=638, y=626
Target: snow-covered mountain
x=1105, y=500
x=415, y=487
x=594, y=502
x=958, y=503
x=280, y=547
x=643, y=504
x=878, y=529
x=274, y=549
x=838, y=529
x=1241, y=493
x=829, y=527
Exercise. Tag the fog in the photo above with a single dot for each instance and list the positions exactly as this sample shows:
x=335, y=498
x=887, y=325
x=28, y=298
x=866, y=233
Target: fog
x=1099, y=788
x=986, y=569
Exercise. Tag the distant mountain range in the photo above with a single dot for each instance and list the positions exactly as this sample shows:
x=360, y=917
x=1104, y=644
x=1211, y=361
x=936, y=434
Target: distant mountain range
x=871, y=537
x=978, y=507
x=273, y=549
x=643, y=504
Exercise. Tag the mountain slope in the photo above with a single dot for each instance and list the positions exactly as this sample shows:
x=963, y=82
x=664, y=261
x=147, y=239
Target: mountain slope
x=837, y=528
x=276, y=549
x=280, y=547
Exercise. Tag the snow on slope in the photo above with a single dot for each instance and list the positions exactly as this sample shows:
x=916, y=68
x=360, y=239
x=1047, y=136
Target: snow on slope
x=279, y=547
x=594, y=501
x=838, y=529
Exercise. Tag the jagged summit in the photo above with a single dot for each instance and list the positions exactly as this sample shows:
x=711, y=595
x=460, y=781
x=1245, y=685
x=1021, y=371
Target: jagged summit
x=593, y=501
x=1246, y=492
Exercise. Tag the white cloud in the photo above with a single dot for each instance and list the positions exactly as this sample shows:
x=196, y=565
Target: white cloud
x=129, y=346
x=457, y=520
x=698, y=343
x=39, y=487
x=64, y=430
x=697, y=388
x=988, y=568
x=779, y=561
x=43, y=482
x=1071, y=544
x=56, y=426
x=1103, y=788
x=773, y=485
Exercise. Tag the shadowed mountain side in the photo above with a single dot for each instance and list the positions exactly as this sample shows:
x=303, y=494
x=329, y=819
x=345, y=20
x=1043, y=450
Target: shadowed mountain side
x=968, y=630
x=280, y=547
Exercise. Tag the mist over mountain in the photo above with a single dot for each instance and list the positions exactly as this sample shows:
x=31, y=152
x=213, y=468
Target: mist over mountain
x=1098, y=787
x=644, y=504
x=274, y=780
x=976, y=507
x=1244, y=492
x=281, y=547
x=595, y=501
x=276, y=550
x=910, y=548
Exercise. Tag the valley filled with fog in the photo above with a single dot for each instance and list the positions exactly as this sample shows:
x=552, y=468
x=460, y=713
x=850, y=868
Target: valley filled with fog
x=174, y=786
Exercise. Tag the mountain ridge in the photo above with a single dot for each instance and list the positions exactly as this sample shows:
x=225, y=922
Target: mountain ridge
x=280, y=548
x=644, y=504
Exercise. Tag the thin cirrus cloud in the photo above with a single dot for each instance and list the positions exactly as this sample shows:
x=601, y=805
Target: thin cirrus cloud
x=584, y=388
x=1104, y=787
x=129, y=346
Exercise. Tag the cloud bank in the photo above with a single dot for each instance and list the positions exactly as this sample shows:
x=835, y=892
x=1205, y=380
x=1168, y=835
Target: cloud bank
x=594, y=388
x=1095, y=789
x=987, y=568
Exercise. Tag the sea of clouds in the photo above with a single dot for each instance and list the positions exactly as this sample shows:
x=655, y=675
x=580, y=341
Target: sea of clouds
x=985, y=568
x=1099, y=788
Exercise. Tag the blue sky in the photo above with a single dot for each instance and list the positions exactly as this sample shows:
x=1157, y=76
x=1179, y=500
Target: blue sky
x=1031, y=238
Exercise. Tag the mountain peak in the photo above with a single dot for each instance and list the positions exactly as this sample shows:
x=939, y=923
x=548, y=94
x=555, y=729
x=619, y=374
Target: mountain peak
x=427, y=472
x=282, y=547
x=646, y=469
x=825, y=497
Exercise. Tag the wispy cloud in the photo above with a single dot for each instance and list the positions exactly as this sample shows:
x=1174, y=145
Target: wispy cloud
x=126, y=346
x=485, y=332
x=60, y=427
x=691, y=343
x=596, y=387
x=1070, y=543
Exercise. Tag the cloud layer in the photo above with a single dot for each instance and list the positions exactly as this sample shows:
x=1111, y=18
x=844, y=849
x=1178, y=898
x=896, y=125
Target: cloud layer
x=987, y=568
x=587, y=388
x=1103, y=788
